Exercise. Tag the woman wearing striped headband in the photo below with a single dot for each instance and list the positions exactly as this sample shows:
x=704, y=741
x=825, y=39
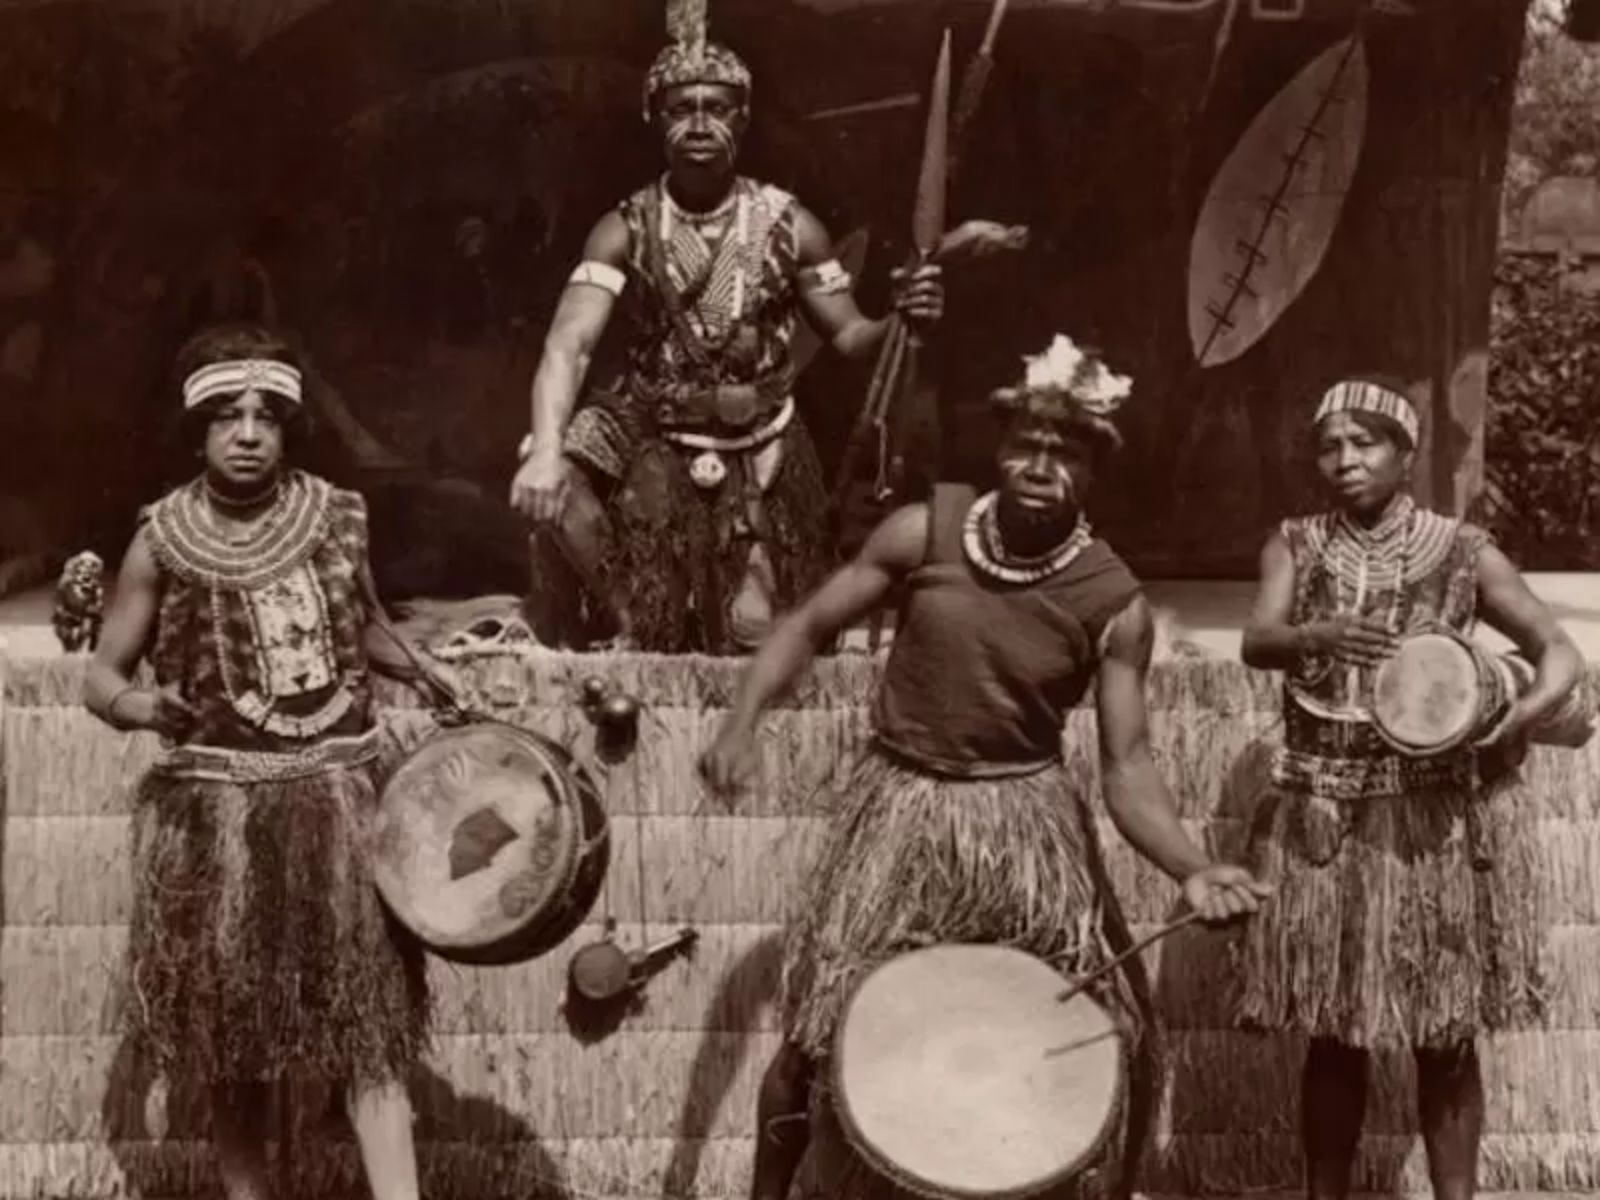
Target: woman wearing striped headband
x=258, y=943
x=1406, y=915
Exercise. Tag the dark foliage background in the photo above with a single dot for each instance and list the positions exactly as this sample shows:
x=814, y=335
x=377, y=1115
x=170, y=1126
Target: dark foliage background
x=1542, y=485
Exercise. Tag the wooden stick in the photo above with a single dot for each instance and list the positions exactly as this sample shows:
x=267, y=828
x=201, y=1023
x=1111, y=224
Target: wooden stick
x=1170, y=927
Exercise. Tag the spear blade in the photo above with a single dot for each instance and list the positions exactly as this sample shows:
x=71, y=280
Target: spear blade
x=928, y=218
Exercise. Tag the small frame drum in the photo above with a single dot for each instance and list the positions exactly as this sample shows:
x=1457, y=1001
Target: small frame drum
x=491, y=843
x=1438, y=692
x=1441, y=691
x=958, y=1072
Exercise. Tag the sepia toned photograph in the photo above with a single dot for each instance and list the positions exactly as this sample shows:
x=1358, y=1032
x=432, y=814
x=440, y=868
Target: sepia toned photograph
x=847, y=599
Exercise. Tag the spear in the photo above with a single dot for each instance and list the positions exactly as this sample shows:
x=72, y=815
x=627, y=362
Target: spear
x=941, y=150
x=974, y=80
x=896, y=365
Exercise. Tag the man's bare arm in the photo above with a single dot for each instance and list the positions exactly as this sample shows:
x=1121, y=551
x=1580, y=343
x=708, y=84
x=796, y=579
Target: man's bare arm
x=580, y=320
x=836, y=316
x=1136, y=796
x=894, y=548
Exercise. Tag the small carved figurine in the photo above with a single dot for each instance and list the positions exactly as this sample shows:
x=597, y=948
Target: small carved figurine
x=80, y=603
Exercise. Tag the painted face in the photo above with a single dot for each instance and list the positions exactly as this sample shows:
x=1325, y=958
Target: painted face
x=244, y=443
x=1362, y=467
x=701, y=124
x=1044, y=475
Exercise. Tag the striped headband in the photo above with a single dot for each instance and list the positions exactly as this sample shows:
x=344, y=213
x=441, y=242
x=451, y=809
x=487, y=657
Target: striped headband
x=1354, y=395
x=241, y=375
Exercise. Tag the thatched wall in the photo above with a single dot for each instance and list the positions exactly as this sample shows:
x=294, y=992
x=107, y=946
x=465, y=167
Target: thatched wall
x=663, y=1105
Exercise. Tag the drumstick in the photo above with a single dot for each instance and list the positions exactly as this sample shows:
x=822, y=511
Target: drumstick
x=1170, y=927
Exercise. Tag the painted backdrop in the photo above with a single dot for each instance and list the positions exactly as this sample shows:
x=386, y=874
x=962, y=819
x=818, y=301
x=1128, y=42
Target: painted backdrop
x=1239, y=200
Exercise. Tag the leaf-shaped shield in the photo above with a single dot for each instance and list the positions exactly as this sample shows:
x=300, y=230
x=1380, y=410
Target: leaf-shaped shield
x=1273, y=207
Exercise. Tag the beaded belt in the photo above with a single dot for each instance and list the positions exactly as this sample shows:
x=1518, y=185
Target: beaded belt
x=733, y=445
x=1361, y=778
x=222, y=765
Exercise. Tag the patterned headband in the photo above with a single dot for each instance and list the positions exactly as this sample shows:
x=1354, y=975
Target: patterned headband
x=1354, y=395
x=680, y=64
x=241, y=375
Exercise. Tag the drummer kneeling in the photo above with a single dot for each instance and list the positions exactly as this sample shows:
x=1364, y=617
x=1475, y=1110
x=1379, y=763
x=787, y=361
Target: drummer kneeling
x=961, y=823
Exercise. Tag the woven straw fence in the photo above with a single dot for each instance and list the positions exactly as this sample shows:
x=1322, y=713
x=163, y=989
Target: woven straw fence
x=515, y=1102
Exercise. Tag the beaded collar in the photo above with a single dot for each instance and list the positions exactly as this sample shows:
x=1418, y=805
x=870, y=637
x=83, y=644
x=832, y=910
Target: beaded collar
x=189, y=541
x=1404, y=545
x=980, y=539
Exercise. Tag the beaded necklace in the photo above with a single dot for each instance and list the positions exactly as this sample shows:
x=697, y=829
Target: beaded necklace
x=985, y=549
x=248, y=556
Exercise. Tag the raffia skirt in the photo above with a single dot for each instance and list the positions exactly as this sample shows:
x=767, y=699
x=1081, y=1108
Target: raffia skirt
x=914, y=859
x=1413, y=920
x=259, y=945
x=682, y=551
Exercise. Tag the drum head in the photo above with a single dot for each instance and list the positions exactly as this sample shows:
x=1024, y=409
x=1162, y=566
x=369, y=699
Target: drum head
x=480, y=845
x=1428, y=695
x=959, y=1073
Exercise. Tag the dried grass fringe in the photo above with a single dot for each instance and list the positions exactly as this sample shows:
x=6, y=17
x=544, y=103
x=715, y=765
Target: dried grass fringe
x=258, y=942
x=1414, y=920
x=913, y=859
x=1212, y=686
x=677, y=564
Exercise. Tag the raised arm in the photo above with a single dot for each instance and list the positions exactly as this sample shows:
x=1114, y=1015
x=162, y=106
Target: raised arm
x=580, y=320
x=1137, y=798
x=108, y=690
x=832, y=308
x=894, y=548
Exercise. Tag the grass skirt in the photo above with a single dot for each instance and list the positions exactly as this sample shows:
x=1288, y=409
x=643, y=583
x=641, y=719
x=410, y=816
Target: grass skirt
x=259, y=945
x=681, y=551
x=1399, y=921
x=914, y=859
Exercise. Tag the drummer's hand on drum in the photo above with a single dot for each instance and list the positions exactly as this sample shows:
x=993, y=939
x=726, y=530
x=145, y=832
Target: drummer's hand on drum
x=730, y=764
x=1503, y=750
x=1224, y=893
x=1361, y=641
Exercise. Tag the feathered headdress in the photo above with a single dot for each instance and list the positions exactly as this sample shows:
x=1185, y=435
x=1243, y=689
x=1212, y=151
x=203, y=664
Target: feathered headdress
x=690, y=58
x=1067, y=385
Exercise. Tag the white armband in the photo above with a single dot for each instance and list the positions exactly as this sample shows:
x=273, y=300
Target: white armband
x=826, y=278
x=598, y=274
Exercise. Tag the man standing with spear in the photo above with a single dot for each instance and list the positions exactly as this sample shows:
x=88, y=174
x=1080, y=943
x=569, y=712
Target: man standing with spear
x=693, y=501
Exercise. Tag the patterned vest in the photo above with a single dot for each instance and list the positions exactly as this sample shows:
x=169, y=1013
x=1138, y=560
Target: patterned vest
x=264, y=639
x=711, y=311
x=1416, y=569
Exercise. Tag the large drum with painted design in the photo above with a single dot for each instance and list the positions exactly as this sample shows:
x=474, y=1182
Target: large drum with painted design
x=491, y=843
x=960, y=1073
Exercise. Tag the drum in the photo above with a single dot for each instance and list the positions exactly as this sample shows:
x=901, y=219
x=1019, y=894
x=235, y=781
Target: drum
x=958, y=1072
x=1441, y=691
x=1438, y=692
x=491, y=843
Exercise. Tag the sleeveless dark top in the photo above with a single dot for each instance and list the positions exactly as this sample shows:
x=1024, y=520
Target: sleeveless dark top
x=981, y=674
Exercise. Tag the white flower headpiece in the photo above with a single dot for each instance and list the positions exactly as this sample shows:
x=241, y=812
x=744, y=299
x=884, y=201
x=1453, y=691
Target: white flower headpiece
x=1068, y=384
x=1063, y=367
